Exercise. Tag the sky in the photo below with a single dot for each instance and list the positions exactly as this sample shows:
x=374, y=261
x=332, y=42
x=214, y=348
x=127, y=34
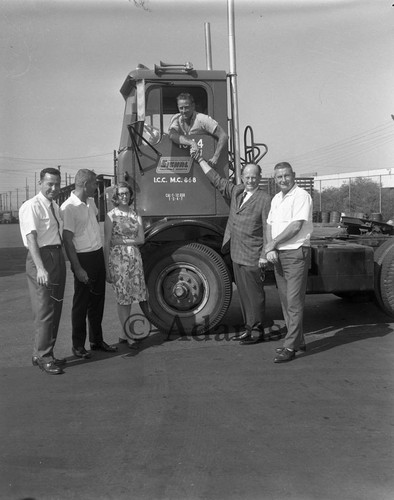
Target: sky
x=315, y=79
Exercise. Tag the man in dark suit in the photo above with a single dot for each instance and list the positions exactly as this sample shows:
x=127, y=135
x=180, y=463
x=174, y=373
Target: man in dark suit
x=249, y=208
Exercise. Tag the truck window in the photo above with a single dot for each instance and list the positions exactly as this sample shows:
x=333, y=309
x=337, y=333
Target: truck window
x=161, y=106
x=153, y=127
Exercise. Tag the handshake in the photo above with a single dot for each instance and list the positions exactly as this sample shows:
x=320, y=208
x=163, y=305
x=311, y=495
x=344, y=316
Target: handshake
x=195, y=151
x=196, y=154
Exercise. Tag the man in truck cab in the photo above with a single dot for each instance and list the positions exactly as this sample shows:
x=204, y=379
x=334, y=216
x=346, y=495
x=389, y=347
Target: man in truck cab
x=188, y=122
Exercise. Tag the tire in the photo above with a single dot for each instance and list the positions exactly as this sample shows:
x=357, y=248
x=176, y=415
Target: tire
x=189, y=288
x=384, y=277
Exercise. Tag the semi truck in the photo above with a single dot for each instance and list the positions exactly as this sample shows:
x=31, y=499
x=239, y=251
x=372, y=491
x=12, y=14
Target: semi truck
x=188, y=276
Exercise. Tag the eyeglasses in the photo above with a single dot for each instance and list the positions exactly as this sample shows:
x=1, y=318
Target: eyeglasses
x=123, y=194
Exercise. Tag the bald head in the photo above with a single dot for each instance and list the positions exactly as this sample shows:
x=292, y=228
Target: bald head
x=251, y=175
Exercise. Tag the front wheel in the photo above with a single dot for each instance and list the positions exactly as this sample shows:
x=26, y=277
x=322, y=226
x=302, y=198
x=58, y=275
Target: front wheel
x=189, y=288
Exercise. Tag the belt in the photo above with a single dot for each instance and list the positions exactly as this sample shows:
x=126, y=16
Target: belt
x=51, y=247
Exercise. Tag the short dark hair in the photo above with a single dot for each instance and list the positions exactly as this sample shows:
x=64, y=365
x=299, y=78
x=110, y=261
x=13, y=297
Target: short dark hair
x=185, y=96
x=251, y=164
x=115, y=199
x=283, y=164
x=50, y=171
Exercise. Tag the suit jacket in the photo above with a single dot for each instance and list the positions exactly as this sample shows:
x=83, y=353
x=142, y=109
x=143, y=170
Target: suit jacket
x=246, y=225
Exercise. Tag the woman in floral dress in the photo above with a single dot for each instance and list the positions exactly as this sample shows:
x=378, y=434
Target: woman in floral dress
x=123, y=232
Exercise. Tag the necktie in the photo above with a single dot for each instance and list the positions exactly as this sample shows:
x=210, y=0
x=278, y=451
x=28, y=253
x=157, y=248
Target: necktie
x=241, y=199
x=57, y=221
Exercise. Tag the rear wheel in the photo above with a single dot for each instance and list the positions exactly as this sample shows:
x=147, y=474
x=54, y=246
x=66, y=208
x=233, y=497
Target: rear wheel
x=384, y=277
x=189, y=288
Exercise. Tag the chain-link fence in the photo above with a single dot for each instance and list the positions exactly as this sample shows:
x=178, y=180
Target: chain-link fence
x=370, y=196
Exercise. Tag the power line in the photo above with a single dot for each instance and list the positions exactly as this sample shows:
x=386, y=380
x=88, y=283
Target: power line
x=16, y=158
x=329, y=156
x=349, y=142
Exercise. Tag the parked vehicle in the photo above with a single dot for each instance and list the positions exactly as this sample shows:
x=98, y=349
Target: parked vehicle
x=8, y=218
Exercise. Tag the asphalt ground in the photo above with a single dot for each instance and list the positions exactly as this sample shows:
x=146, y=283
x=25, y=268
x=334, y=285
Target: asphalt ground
x=198, y=418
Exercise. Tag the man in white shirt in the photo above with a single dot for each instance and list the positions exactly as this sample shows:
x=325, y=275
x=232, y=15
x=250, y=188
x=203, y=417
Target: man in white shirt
x=40, y=226
x=82, y=240
x=289, y=228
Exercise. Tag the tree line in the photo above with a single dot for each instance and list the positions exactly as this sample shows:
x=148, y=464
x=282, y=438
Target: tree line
x=362, y=195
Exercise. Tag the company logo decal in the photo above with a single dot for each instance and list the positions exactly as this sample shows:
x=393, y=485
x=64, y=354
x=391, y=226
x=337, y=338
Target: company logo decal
x=171, y=165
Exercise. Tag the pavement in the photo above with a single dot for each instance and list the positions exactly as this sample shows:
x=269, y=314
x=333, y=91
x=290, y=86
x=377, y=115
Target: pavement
x=199, y=418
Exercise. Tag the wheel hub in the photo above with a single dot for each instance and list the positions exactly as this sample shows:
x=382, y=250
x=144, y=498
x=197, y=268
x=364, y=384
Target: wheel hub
x=183, y=289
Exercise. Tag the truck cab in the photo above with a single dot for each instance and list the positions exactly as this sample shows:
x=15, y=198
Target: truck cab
x=164, y=177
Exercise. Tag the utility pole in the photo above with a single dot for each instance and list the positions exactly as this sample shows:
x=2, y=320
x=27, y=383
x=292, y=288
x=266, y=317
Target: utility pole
x=59, y=167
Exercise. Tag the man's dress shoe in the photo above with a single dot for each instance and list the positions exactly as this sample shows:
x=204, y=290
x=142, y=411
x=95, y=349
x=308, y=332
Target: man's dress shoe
x=302, y=348
x=50, y=367
x=102, y=346
x=284, y=355
x=241, y=336
x=57, y=362
x=81, y=352
x=134, y=345
x=252, y=340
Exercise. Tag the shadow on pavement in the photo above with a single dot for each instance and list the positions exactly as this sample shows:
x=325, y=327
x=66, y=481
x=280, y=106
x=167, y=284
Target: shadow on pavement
x=123, y=351
x=346, y=335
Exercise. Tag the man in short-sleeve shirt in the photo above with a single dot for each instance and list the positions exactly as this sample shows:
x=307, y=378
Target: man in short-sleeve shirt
x=82, y=240
x=188, y=122
x=40, y=226
x=289, y=228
